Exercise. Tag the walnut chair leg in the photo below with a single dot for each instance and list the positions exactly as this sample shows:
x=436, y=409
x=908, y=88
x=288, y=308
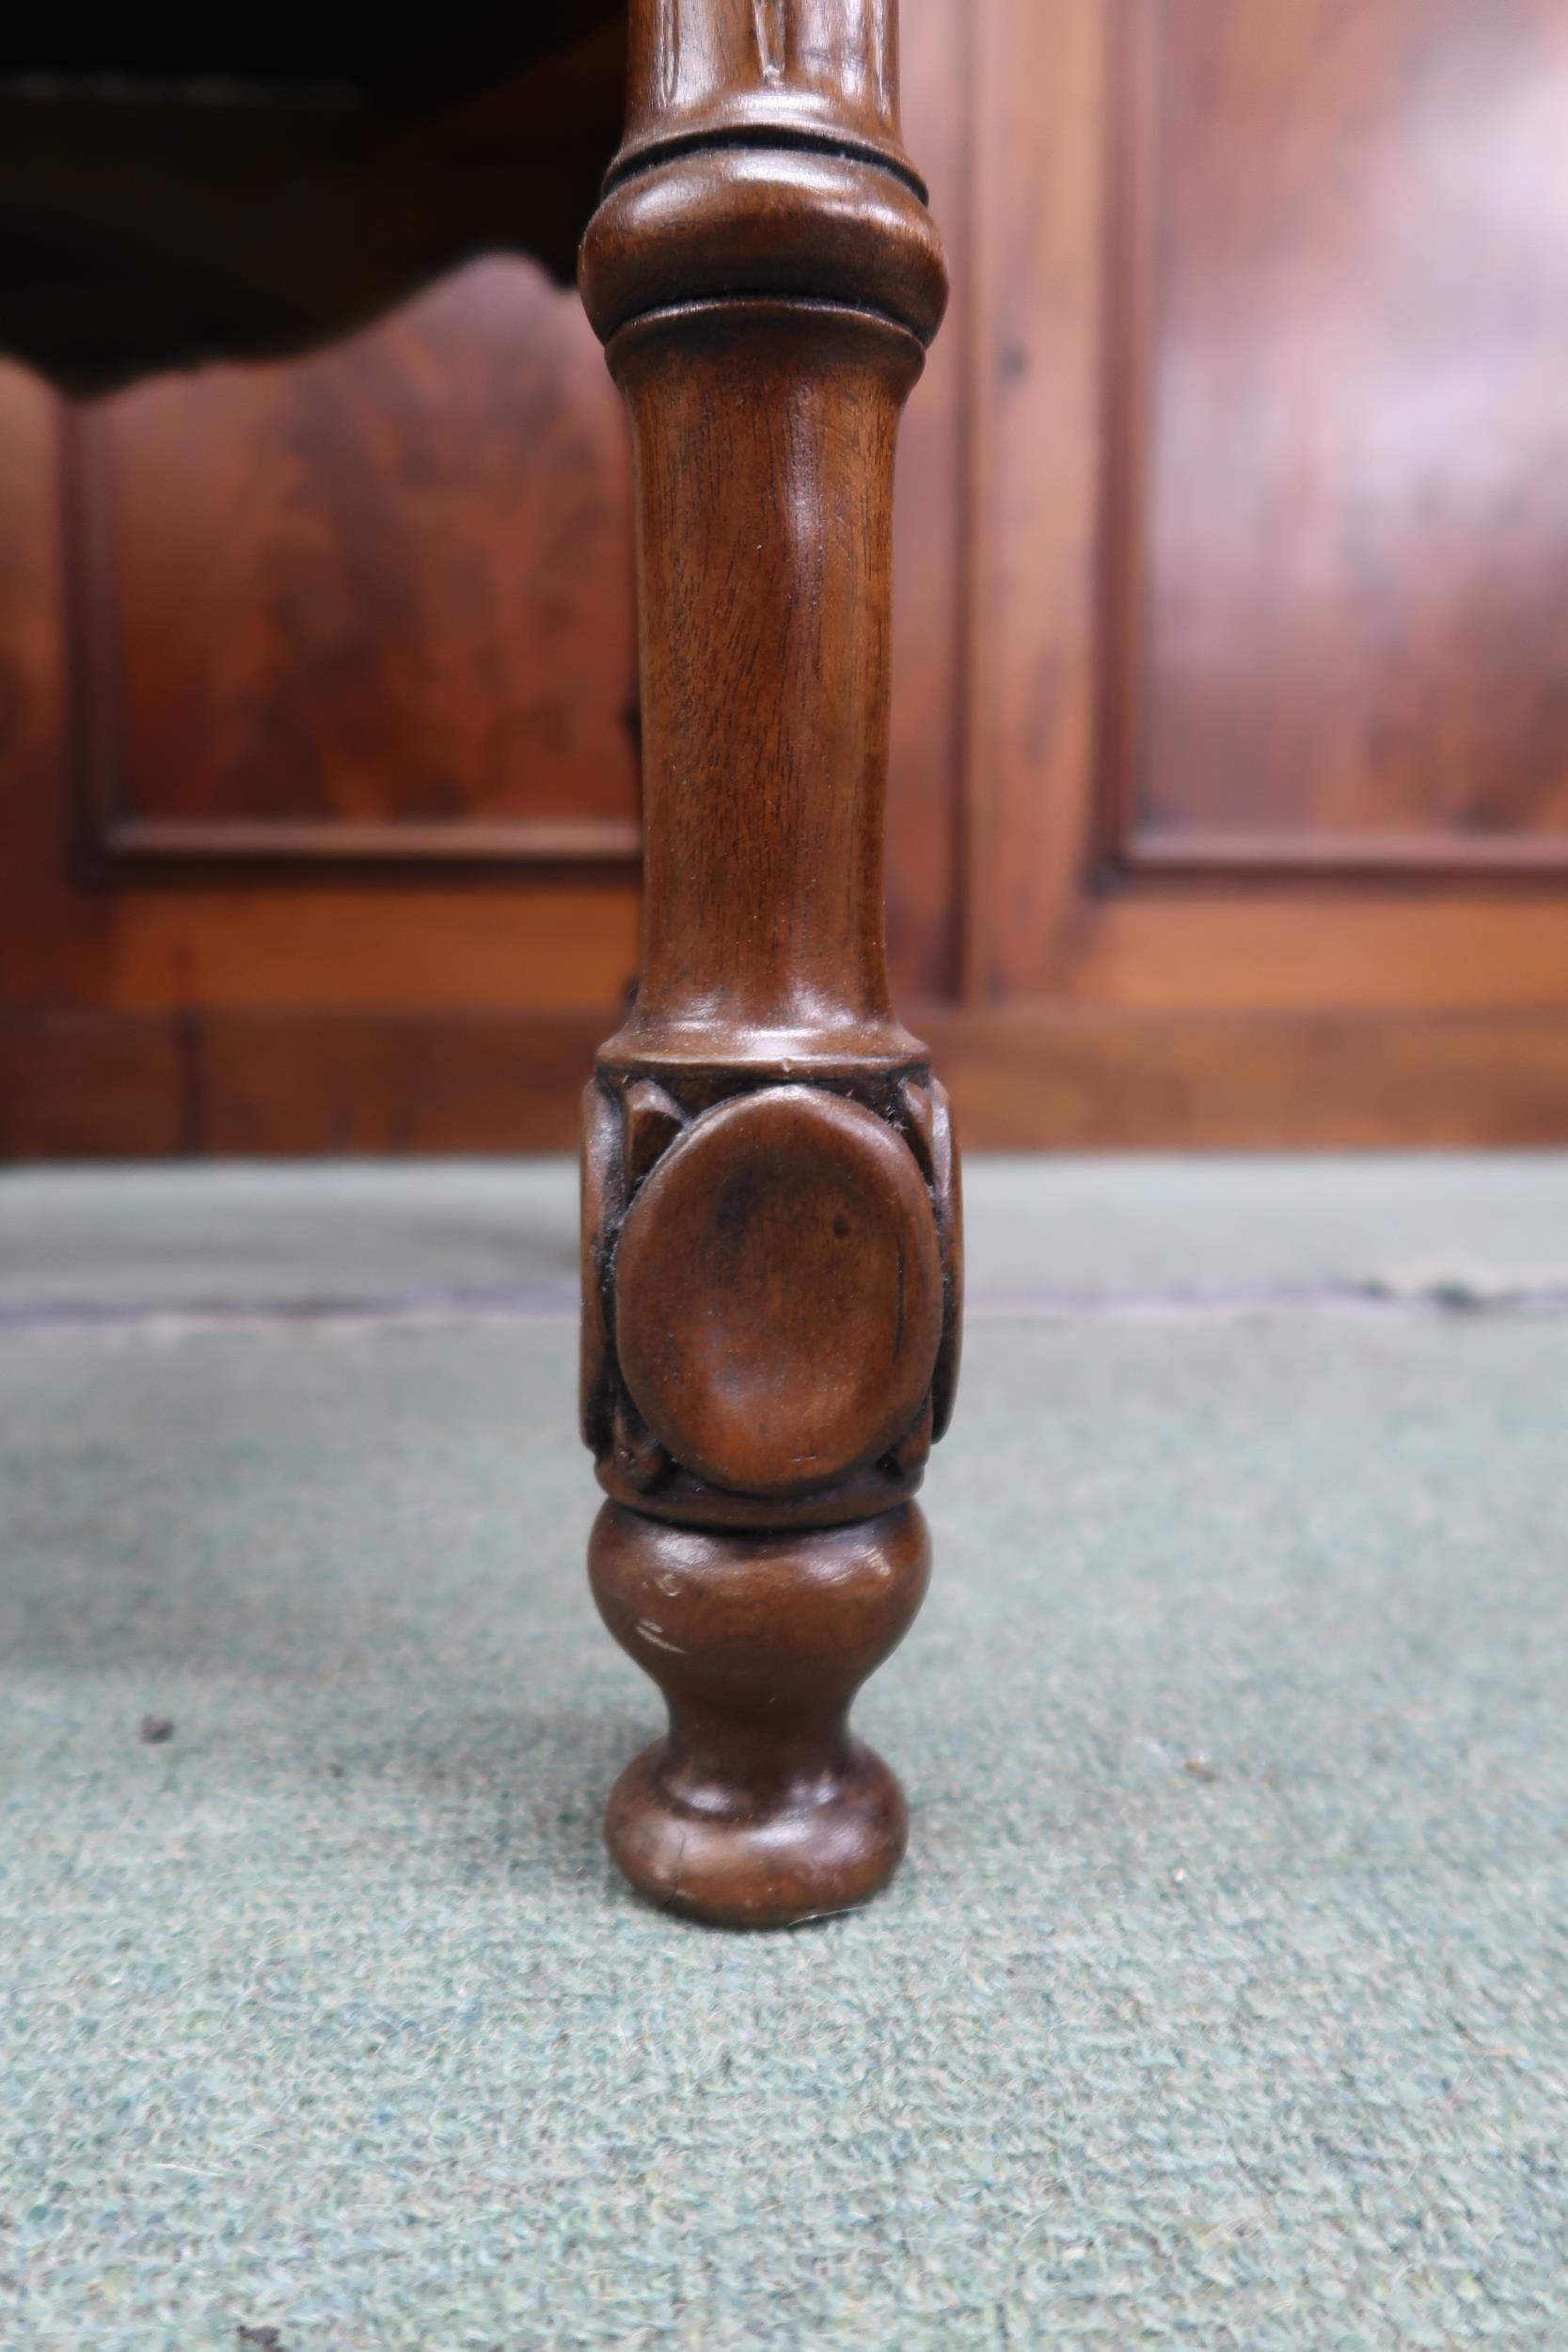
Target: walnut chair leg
x=771, y=1267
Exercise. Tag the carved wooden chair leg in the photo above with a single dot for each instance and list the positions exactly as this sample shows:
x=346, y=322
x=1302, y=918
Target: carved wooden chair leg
x=771, y=1216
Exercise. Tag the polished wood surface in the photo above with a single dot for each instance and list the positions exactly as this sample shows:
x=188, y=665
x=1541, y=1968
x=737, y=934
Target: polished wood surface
x=1342, y=631
x=300, y=959
x=1226, y=798
x=772, y=76
x=799, y=1214
x=771, y=1269
x=763, y=615
x=1264, y=758
x=759, y=1807
x=85, y=1084
x=375, y=605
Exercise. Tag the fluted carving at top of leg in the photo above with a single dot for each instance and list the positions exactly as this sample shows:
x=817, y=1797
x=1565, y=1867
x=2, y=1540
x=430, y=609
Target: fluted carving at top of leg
x=763, y=157
x=706, y=70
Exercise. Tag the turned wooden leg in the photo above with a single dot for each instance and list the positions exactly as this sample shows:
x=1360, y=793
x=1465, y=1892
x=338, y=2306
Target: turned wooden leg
x=772, y=1270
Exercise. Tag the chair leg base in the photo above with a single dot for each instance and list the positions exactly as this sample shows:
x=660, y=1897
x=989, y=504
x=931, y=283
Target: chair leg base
x=825, y=1847
x=759, y=1807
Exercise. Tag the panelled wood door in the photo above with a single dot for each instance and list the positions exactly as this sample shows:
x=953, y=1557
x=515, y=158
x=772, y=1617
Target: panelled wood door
x=344, y=613
x=1268, y=725
x=1229, y=795
x=318, y=733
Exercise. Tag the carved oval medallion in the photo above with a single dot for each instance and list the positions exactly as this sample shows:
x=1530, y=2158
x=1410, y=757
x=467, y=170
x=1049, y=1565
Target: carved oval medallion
x=778, y=1292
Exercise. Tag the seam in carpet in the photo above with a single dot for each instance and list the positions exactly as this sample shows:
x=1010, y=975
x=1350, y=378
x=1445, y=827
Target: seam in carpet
x=1441, y=1293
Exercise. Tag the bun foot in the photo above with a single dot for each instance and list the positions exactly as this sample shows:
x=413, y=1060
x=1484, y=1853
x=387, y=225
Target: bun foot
x=758, y=1808
x=826, y=1844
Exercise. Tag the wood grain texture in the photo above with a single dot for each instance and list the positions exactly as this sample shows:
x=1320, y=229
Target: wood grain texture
x=1341, y=310
x=95, y=1084
x=763, y=439
x=1265, y=528
x=245, y=951
x=924, y=849
x=771, y=1285
x=1237, y=769
x=251, y=889
x=1091, y=1078
x=375, y=605
x=1032, y=459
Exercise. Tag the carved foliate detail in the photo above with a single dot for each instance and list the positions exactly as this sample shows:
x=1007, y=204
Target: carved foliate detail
x=651, y=1120
x=947, y=1198
x=640, y=1462
x=602, y=1192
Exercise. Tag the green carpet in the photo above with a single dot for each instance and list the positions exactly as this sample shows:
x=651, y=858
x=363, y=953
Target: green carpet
x=1223, y=2001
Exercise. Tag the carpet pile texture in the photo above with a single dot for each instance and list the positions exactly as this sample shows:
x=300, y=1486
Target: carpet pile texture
x=1223, y=2001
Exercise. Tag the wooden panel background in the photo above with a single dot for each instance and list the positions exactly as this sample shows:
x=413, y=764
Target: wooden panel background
x=1229, y=793
x=1341, y=311
x=1265, y=721
x=375, y=605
